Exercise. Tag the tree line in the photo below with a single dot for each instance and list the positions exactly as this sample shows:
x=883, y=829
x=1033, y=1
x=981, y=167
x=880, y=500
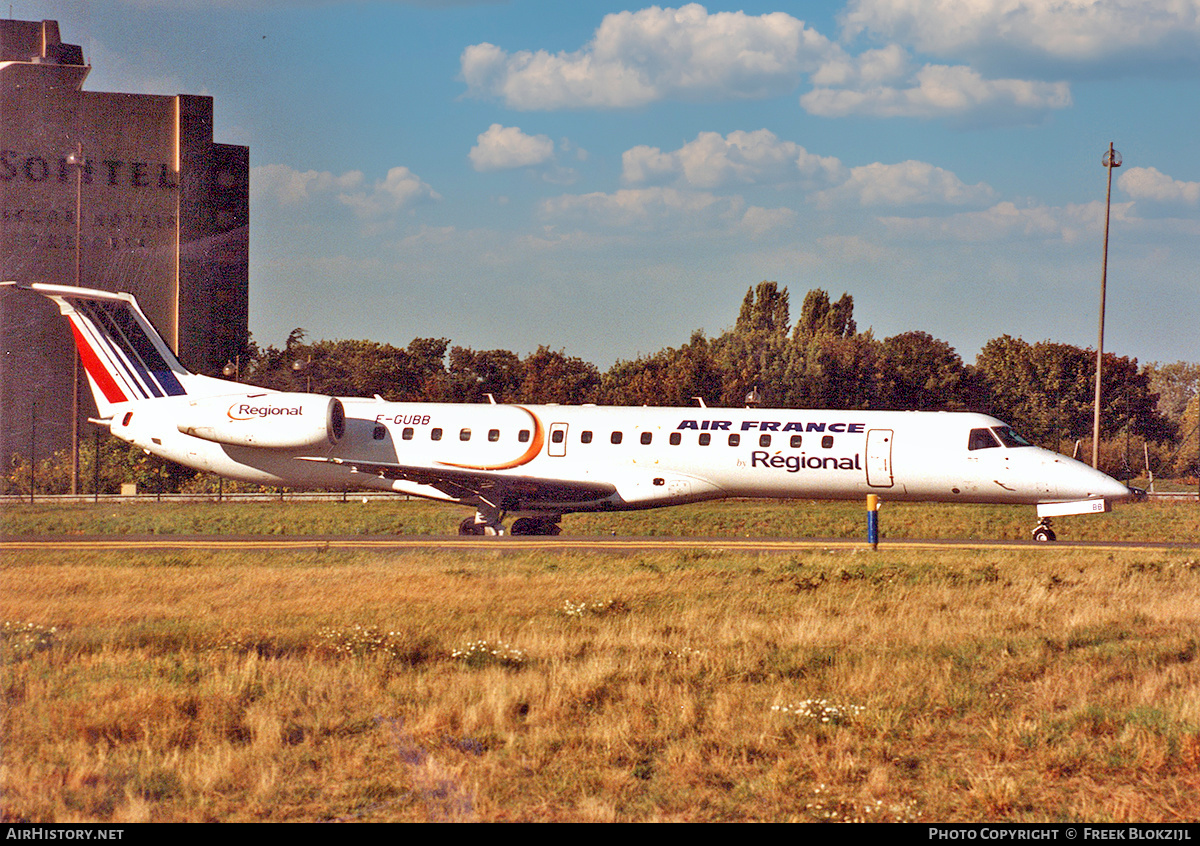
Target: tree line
x=821, y=360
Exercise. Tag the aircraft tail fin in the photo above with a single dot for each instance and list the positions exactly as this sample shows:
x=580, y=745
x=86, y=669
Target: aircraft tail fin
x=125, y=358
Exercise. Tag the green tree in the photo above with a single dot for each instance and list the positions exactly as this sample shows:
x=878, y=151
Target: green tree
x=475, y=374
x=1175, y=385
x=670, y=377
x=1047, y=391
x=553, y=377
x=752, y=355
x=1187, y=460
x=354, y=368
x=918, y=372
x=828, y=362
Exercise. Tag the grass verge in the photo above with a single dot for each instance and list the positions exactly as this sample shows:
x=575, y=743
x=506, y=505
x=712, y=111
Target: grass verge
x=1005, y=685
x=1144, y=521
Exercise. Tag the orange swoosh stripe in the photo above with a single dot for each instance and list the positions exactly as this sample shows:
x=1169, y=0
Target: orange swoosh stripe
x=535, y=447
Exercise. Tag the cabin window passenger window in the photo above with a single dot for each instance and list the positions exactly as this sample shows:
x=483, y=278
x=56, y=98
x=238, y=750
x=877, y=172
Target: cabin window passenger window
x=734, y=440
x=676, y=438
x=616, y=437
x=764, y=440
x=379, y=434
x=827, y=442
x=705, y=438
x=407, y=434
x=795, y=442
x=435, y=434
x=464, y=435
x=585, y=437
x=493, y=435
x=557, y=436
x=523, y=436
x=647, y=437
x=982, y=439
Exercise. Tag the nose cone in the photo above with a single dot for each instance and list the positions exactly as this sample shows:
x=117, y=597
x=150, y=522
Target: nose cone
x=1078, y=481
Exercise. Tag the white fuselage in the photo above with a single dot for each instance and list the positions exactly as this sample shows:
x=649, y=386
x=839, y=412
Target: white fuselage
x=647, y=456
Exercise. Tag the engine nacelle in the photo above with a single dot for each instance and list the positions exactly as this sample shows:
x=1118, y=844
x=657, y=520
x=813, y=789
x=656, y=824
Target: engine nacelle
x=274, y=421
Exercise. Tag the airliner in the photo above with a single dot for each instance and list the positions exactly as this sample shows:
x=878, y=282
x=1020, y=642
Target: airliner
x=535, y=463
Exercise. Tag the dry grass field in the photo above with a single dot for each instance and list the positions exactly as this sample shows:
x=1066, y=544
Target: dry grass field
x=1031, y=684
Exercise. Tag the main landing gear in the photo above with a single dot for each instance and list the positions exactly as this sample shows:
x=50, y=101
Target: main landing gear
x=483, y=524
x=537, y=525
x=1043, y=533
x=476, y=526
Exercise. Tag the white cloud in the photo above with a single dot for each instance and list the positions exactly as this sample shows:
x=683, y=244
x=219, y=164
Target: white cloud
x=873, y=67
x=653, y=54
x=644, y=209
x=1065, y=31
x=904, y=184
x=402, y=188
x=1148, y=183
x=1007, y=221
x=944, y=91
x=507, y=147
x=290, y=186
x=739, y=158
x=629, y=207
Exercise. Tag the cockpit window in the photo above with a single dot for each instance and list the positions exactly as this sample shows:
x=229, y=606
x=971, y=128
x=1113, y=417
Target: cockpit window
x=982, y=439
x=1010, y=438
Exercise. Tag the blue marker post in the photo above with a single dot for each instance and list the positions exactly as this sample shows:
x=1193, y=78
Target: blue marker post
x=873, y=520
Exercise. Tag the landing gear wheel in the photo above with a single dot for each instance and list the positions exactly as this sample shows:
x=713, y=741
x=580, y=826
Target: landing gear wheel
x=1043, y=533
x=470, y=527
x=536, y=526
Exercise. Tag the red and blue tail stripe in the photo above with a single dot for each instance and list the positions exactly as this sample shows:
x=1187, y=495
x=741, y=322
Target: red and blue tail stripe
x=124, y=356
x=119, y=354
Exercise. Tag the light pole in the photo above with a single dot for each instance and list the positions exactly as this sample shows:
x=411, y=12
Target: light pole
x=304, y=365
x=1111, y=159
x=76, y=158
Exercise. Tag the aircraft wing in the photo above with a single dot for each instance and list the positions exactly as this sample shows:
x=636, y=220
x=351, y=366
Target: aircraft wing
x=503, y=490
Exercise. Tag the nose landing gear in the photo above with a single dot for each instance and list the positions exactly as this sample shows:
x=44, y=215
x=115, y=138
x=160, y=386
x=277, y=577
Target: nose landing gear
x=1043, y=533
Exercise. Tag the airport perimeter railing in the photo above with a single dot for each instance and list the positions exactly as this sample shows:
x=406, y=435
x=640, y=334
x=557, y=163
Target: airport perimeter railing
x=151, y=496
x=332, y=496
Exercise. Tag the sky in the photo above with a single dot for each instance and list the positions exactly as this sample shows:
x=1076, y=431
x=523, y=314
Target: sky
x=605, y=178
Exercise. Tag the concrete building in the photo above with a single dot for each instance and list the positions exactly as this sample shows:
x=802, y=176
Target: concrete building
x=113, y=191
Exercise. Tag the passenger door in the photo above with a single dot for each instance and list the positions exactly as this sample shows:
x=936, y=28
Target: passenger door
x=879, y=458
